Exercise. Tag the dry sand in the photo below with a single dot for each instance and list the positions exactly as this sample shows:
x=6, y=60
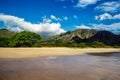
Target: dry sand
x=39, y=52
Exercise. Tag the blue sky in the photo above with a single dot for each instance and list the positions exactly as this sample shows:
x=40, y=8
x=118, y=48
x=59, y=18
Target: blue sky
x=51, y=17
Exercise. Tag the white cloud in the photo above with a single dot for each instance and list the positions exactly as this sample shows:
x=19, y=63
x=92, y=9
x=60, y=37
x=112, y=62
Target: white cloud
x=103, y=16
x=65, y=18
x=46, y=20
x=113, y=6
x=115, y=27
x=117, y=16
x=107, y=16
x=75, y=17
x=55, y=18
x=82, y=27
x=19, y=24
x=85, y=3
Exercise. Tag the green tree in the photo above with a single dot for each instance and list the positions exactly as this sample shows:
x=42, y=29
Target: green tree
x=25, y=39
x=96, y=44
x=59, y=42
x=82, y=45
x=4, y=42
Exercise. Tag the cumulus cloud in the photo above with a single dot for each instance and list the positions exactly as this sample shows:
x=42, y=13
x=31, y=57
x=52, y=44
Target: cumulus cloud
x=107, y=16
x=17, y=24
x=85, y=3
x=55, y=18
x=82, y=27
x=103, y=16
x=65, y=18
x=113, y=6
x=117, y=16
x=115, y=27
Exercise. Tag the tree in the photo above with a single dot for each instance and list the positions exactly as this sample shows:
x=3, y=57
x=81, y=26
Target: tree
x=83, y=45
x=4, y=42
x=25, y=39
x=97, y=44
x=59, y=42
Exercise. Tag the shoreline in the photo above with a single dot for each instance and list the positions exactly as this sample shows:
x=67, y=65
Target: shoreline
x=52, y=51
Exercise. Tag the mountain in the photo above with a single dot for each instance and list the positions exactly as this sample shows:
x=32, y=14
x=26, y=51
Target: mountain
x=89, y=35
x=77, y=36
x=5, y=36
x=6, y=33
x=106, y=37
x=79, y=33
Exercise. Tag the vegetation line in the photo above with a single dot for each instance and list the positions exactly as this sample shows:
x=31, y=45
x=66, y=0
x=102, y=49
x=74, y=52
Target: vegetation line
x=81, y=38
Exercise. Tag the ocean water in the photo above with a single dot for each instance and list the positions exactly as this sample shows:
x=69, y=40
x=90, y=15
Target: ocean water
x=77, y=67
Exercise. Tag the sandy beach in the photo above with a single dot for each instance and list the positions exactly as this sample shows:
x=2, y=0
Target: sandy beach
x=40, y=52
x=59, y=64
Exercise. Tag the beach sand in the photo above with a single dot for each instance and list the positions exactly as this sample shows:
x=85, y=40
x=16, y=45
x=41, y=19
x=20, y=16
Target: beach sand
x=59, y=64
x=40, y=52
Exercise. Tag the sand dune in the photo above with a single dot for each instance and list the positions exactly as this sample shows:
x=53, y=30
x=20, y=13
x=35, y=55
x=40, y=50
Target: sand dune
x=39, y=52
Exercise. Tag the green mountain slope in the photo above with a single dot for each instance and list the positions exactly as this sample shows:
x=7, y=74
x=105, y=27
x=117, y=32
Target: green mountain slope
x=80, y=37
x=89, y=36
x=106, y=37
x=80, y=33
x=6, y=33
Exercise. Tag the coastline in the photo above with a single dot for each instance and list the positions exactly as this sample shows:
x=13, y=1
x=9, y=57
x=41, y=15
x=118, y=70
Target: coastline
x=53, y=51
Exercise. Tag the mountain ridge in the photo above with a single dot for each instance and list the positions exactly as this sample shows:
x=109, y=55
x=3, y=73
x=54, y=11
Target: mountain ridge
x=77, y=36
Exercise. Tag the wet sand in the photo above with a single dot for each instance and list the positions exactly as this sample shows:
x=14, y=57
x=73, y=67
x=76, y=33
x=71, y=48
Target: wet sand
x=40, y=52
x=76, y=67
x=54, y=67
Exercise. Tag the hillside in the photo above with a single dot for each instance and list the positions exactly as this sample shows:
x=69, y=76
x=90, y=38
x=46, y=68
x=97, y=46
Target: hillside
x=80, y=33
x=6, y=33
x=89, y=35
x=75, y=38
x=106, y=37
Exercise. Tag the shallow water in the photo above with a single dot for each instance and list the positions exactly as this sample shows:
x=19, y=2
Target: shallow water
x=78, y=67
